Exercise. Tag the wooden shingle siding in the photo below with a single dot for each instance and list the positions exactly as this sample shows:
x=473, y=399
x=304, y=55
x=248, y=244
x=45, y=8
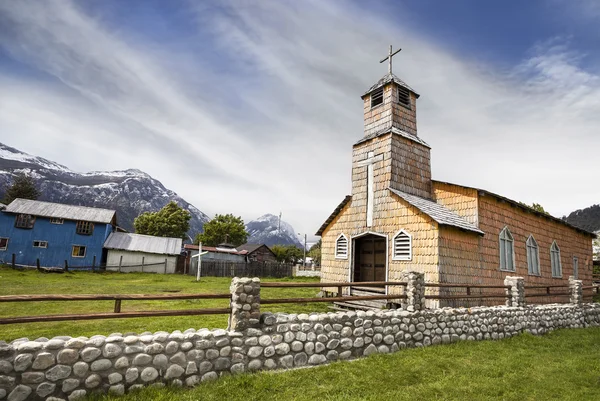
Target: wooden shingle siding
x=461, y=200
x=391, y=113
x=494, y=215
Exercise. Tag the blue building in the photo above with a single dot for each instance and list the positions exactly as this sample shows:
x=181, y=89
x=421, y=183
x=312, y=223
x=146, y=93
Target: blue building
x=53, y=233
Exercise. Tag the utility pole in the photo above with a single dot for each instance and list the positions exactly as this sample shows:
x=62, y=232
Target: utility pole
x=304, y=260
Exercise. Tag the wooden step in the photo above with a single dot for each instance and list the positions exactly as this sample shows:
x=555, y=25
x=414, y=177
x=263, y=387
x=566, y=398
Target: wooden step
x=379, y=290
x=352, y=306
x=361, y=293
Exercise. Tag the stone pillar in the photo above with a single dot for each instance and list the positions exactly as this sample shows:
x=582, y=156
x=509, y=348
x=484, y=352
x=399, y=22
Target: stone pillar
x=245, y=303
x=415, y=291
x=515, y=296
x=575, y=287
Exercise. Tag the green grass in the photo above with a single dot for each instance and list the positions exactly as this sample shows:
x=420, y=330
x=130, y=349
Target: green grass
x=15, y=282
x=563, y=365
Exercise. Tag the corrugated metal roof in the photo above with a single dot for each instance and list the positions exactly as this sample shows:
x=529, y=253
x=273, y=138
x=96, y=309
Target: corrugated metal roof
x=437, y=212
x=61, y=211
x=144, y=243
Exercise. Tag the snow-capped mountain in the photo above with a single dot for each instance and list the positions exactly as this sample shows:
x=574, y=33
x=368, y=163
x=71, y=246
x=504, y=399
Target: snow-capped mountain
x=129, y=192
x=267, y=230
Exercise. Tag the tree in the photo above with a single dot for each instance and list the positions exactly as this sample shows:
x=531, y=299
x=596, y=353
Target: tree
x=315, y=253
x=170, y=221
x=223, y=228
x=535, y=206
x=287, y=253
x=22, y=187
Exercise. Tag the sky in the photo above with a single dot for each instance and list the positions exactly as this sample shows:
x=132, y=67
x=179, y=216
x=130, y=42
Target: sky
x=252, y=107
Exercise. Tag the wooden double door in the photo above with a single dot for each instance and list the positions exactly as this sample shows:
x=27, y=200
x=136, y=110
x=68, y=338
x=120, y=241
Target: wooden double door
x=370, y=256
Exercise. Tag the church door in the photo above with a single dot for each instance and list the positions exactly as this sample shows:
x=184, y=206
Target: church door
x=370, y=258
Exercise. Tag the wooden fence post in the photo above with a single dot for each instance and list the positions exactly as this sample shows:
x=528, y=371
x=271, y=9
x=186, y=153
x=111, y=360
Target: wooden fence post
x=117, y=306
x=66, y=265
x=120, y=263
x=143, y=258
x=166, y=265
x=37, y=263
x=94, y=263
x=14, y=261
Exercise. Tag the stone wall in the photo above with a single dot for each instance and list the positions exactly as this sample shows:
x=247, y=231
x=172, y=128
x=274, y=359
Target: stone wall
x=65, y=368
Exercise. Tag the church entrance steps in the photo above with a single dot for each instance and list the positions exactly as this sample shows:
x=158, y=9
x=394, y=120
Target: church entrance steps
x=376, y=304
x=367, y=290
x=359, y=305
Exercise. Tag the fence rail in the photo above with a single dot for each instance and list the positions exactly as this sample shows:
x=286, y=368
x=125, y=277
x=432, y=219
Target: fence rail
x=117, y=298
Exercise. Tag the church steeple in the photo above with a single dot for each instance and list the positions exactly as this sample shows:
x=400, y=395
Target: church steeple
x=390, y=103
x=390, y=154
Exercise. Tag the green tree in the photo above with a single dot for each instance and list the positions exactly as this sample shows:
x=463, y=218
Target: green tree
x=223, y=228
x=315, y=253
x=287, y=253
x=170, y=221
x=535, y=206
x=22, y=187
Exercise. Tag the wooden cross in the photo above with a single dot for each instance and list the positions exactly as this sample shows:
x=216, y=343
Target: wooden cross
x=389, y=57
x=369, y=162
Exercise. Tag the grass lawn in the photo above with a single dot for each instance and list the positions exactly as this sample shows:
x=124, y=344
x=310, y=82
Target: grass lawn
x=563, y=365
x=14, y=282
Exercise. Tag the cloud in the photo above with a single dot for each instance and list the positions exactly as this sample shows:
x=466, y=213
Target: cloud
x=258, y=112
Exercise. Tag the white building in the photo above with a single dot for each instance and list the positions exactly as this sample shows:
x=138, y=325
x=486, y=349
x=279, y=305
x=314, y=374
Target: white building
x=128, y=252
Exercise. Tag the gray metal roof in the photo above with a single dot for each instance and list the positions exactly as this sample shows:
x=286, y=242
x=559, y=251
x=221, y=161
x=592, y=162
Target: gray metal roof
x=437, y=212
x=386, y=79
x=60, y=211
x=394, y=131
x=143, y=243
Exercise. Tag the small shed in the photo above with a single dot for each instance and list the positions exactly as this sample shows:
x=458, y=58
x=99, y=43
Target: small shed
x=258, y=253
x=142, y=253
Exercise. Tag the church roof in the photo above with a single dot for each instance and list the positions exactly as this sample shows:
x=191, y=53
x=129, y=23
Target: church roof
x=437, y=212
x=386, y=79
x=337, y=210
x=394, y=131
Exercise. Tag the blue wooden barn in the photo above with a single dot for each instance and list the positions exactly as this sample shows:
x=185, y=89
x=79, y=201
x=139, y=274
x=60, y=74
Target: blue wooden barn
x=54, y=233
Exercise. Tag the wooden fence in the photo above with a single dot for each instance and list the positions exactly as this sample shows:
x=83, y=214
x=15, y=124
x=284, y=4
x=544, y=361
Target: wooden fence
x=538, y=291
x=225, y=268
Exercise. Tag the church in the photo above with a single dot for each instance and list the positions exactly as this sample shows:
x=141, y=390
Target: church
x=398, y=219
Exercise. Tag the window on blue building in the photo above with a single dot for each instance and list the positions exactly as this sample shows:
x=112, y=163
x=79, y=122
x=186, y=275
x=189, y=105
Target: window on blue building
x=78, y=251
x=24, y=221
x=3, y=244
x=85, y=228
x=56, y=221
x=40, y=244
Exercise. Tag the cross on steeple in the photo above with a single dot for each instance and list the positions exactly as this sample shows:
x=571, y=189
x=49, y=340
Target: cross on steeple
x=389, y=57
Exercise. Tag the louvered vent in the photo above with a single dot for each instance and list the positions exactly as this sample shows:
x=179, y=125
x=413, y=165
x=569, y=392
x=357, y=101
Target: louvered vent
x=341, y=247
x=377, y=97
x=403, y=96
x=402, y=246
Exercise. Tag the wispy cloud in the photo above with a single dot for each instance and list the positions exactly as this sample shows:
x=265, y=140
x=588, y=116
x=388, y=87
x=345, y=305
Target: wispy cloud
x=268, y=124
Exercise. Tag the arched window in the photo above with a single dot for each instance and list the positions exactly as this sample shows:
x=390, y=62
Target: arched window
x=402, y=244
x=507, y=251
x=555, y=260
x=341, y=247
x=533, y=256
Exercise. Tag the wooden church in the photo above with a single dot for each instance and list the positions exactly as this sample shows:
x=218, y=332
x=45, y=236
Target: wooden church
x=398, y=219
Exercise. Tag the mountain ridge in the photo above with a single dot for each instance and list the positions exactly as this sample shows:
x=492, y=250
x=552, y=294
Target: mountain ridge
x=130, y=192
x=268, y=229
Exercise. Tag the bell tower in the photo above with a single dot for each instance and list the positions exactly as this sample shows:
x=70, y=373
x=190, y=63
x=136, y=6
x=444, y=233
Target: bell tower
x=390, y=154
